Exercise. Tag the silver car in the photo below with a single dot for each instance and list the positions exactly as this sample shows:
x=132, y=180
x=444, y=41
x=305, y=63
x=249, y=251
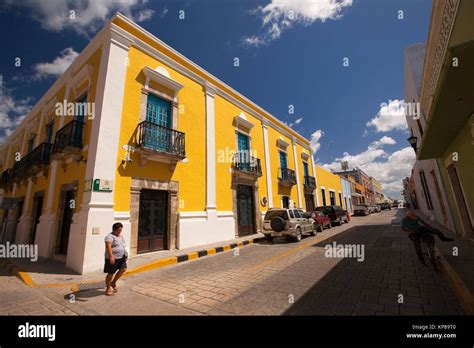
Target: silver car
x=292, y=223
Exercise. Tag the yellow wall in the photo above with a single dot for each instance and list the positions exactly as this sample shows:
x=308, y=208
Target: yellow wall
x=72, y=171
x=192, y=193
x=192, y=175
x=329, y=181
x=226, y=141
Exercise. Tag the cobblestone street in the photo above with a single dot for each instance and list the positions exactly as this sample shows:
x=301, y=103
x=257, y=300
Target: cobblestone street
x=269, y=278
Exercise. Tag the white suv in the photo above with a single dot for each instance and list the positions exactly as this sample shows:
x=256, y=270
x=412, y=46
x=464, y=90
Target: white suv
x=292, y=223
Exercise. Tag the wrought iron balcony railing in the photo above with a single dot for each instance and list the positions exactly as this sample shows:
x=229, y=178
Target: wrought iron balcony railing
x=287, y=175
x=6, y=179
x=161, y=139
x=309, y=181
x=242, y=161
x=69, y=138
x=33, y=162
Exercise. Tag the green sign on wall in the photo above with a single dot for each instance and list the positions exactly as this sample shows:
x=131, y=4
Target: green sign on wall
x=101, y=185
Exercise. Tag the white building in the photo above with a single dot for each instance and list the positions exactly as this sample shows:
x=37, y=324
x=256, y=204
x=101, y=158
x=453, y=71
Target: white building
x=429, y=188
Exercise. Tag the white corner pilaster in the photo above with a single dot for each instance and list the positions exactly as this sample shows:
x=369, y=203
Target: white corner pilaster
x=96, y=217
x=25, y=218
x=298, y=180
x=315, y=177
x=209, y=93
x=268, y=169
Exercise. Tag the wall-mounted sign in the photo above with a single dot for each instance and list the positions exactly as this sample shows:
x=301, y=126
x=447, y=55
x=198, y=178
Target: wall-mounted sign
x=264, y=201
x=102, y=185
x=87, y=185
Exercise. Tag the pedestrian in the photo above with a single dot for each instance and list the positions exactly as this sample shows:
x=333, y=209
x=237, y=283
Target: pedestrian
x=115, y=258
x=417, y=228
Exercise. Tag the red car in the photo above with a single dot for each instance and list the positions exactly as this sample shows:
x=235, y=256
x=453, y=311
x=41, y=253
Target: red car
x=322, y=221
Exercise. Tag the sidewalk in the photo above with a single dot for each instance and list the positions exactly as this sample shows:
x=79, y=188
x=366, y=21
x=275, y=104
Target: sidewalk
x=459, y=267
x=49, y=273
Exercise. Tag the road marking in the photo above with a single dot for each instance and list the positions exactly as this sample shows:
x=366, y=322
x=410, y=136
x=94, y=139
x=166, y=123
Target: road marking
x=283, y=254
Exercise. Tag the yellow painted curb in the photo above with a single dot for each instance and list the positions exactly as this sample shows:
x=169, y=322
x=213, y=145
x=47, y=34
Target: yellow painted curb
x=211, y=251
x=152, y=265
x=193, y=256
x=460, y=289
x=25, y=278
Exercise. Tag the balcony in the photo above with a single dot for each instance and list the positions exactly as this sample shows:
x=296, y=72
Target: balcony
x=6, y=179
x=160, y=143
x=309, y=182
x=68, y=140
x=446, y=95
x=33, y=163
x=247, y=164
x=286, y=176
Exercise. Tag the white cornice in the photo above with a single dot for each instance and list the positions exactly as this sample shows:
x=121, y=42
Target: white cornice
x=85, y=74
x=119, y=39
x=153, y=75
x=241, y=120
x=304, y=156
x=282, y=143
x=209, y=88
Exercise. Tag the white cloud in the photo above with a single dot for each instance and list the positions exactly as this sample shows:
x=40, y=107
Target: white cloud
x=88, y=15
x=12, y=111
x=388, y=169
x=144, y=15
x=280, y=15
x=314, y=142
x=297, y=121
x=391, y=116
x=383, y=141
x=57, y=66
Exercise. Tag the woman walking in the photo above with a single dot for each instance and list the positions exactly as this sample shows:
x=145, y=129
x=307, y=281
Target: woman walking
x=115, y=258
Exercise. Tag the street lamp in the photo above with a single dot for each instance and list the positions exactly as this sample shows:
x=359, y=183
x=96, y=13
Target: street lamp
x=413, y=140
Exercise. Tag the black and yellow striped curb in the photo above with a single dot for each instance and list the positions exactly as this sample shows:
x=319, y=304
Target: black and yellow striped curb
x=92, y=284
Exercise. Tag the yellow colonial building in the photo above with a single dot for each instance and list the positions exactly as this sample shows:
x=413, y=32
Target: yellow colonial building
x=329, y=188
x=134, y=132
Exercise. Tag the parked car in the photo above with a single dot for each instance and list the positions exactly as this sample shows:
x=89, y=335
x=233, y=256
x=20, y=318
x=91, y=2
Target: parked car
x=292, y=223
x=336, y=214
x=372, y=208
x=394, y=205
x=361, y=210
x=385, y=206
x=322, y=221
x=378, y=207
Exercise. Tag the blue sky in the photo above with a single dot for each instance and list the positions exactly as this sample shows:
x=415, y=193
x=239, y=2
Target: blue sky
x=290, y=53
